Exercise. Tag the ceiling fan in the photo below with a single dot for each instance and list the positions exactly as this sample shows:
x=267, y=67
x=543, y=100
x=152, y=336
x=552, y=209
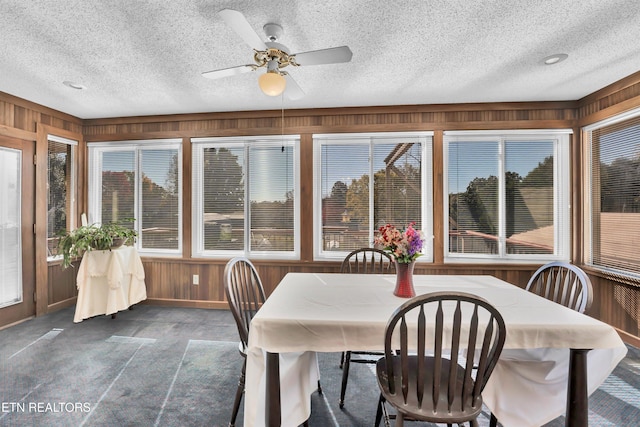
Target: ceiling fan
x=274, y=57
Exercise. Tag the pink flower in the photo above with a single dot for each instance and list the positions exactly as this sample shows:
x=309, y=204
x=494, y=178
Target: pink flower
x=405, y=246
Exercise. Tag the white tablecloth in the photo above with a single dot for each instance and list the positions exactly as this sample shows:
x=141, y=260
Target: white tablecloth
x=337, y=312
x=109, y=281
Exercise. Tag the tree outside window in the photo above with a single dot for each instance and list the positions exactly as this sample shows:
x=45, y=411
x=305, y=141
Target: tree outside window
x=351, y=209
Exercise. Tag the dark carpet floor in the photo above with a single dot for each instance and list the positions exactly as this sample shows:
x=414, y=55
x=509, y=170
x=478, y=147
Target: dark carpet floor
x=159, y=366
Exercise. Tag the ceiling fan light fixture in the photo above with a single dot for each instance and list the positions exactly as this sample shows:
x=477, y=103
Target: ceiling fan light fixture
x=272, y=83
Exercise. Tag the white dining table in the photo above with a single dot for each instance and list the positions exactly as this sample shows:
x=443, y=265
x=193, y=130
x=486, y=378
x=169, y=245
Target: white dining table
x=108, y=282
x=552, y=360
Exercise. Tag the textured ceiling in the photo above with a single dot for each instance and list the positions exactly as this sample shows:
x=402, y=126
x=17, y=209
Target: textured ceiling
x=140, y=57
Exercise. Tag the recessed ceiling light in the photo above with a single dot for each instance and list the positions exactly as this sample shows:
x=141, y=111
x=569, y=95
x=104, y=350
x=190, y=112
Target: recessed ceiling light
x=555, y=58
x=73, y=85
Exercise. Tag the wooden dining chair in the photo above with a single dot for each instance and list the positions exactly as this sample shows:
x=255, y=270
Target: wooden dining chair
x=437, y=373
x=561, y=282
x=564, y=283
x=245, y=295
x=368, y=261
x=363, y=261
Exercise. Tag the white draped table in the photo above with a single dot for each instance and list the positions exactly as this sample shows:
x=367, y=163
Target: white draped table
x=311, y=312
x=109, y=281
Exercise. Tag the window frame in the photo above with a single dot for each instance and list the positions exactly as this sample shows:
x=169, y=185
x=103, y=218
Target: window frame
x=426, y=203
x=95, y=151
x=247, y=142
x=588, y=174
x=561, y=139
x=72, y=192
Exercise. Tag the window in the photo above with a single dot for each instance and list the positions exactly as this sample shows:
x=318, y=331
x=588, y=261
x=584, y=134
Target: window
x=612, y=215
x=141, y=181
x=245, y=197
x=61, y=189
x=508, y=195
x=349, y=210
x=10, y=226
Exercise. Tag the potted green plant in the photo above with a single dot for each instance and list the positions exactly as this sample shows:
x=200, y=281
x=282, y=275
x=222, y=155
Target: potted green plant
x=97, y=237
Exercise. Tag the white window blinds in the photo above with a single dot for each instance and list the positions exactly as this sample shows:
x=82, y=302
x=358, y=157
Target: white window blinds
x=139, y=184
x=10, y=226
x=507, y=195
x=61, y=189
x=614, y=189
x=246, y=196
x=364, y=181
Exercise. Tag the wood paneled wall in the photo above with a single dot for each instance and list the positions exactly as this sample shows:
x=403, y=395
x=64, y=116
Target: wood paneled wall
x=22, y=120
x=61, y=286
x=361, y=119
x=169, y=280
x=616, y=98
x=19, y=118
x=616, y=300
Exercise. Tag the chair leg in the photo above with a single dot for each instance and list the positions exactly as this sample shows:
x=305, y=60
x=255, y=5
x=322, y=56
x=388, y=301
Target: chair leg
x=380, y=411
x=494, y=421
x=342, y=360
x=345, y=377
x=239, y=393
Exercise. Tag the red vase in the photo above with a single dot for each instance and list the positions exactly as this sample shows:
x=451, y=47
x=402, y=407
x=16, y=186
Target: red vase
x=404, y=280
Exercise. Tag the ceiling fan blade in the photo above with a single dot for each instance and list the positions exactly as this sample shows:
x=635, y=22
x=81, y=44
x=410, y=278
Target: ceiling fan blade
x=332, y=55
x=292, y=90
x=226, y=72
x=241, y=26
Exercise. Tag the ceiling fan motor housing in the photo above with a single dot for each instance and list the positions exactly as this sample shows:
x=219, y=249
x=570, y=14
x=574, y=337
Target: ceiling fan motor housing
x=273, y=31
x=276, y=52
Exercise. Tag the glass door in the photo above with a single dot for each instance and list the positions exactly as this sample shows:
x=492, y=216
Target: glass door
x=17, y=256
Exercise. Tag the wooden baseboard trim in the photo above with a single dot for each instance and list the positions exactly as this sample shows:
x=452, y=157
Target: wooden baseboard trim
x=61, y=304
x=628, y=338
x=16, y=322
x=216, y=305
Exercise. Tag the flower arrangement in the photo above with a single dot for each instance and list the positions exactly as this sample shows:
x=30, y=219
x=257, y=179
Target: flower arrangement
x=403, y=245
